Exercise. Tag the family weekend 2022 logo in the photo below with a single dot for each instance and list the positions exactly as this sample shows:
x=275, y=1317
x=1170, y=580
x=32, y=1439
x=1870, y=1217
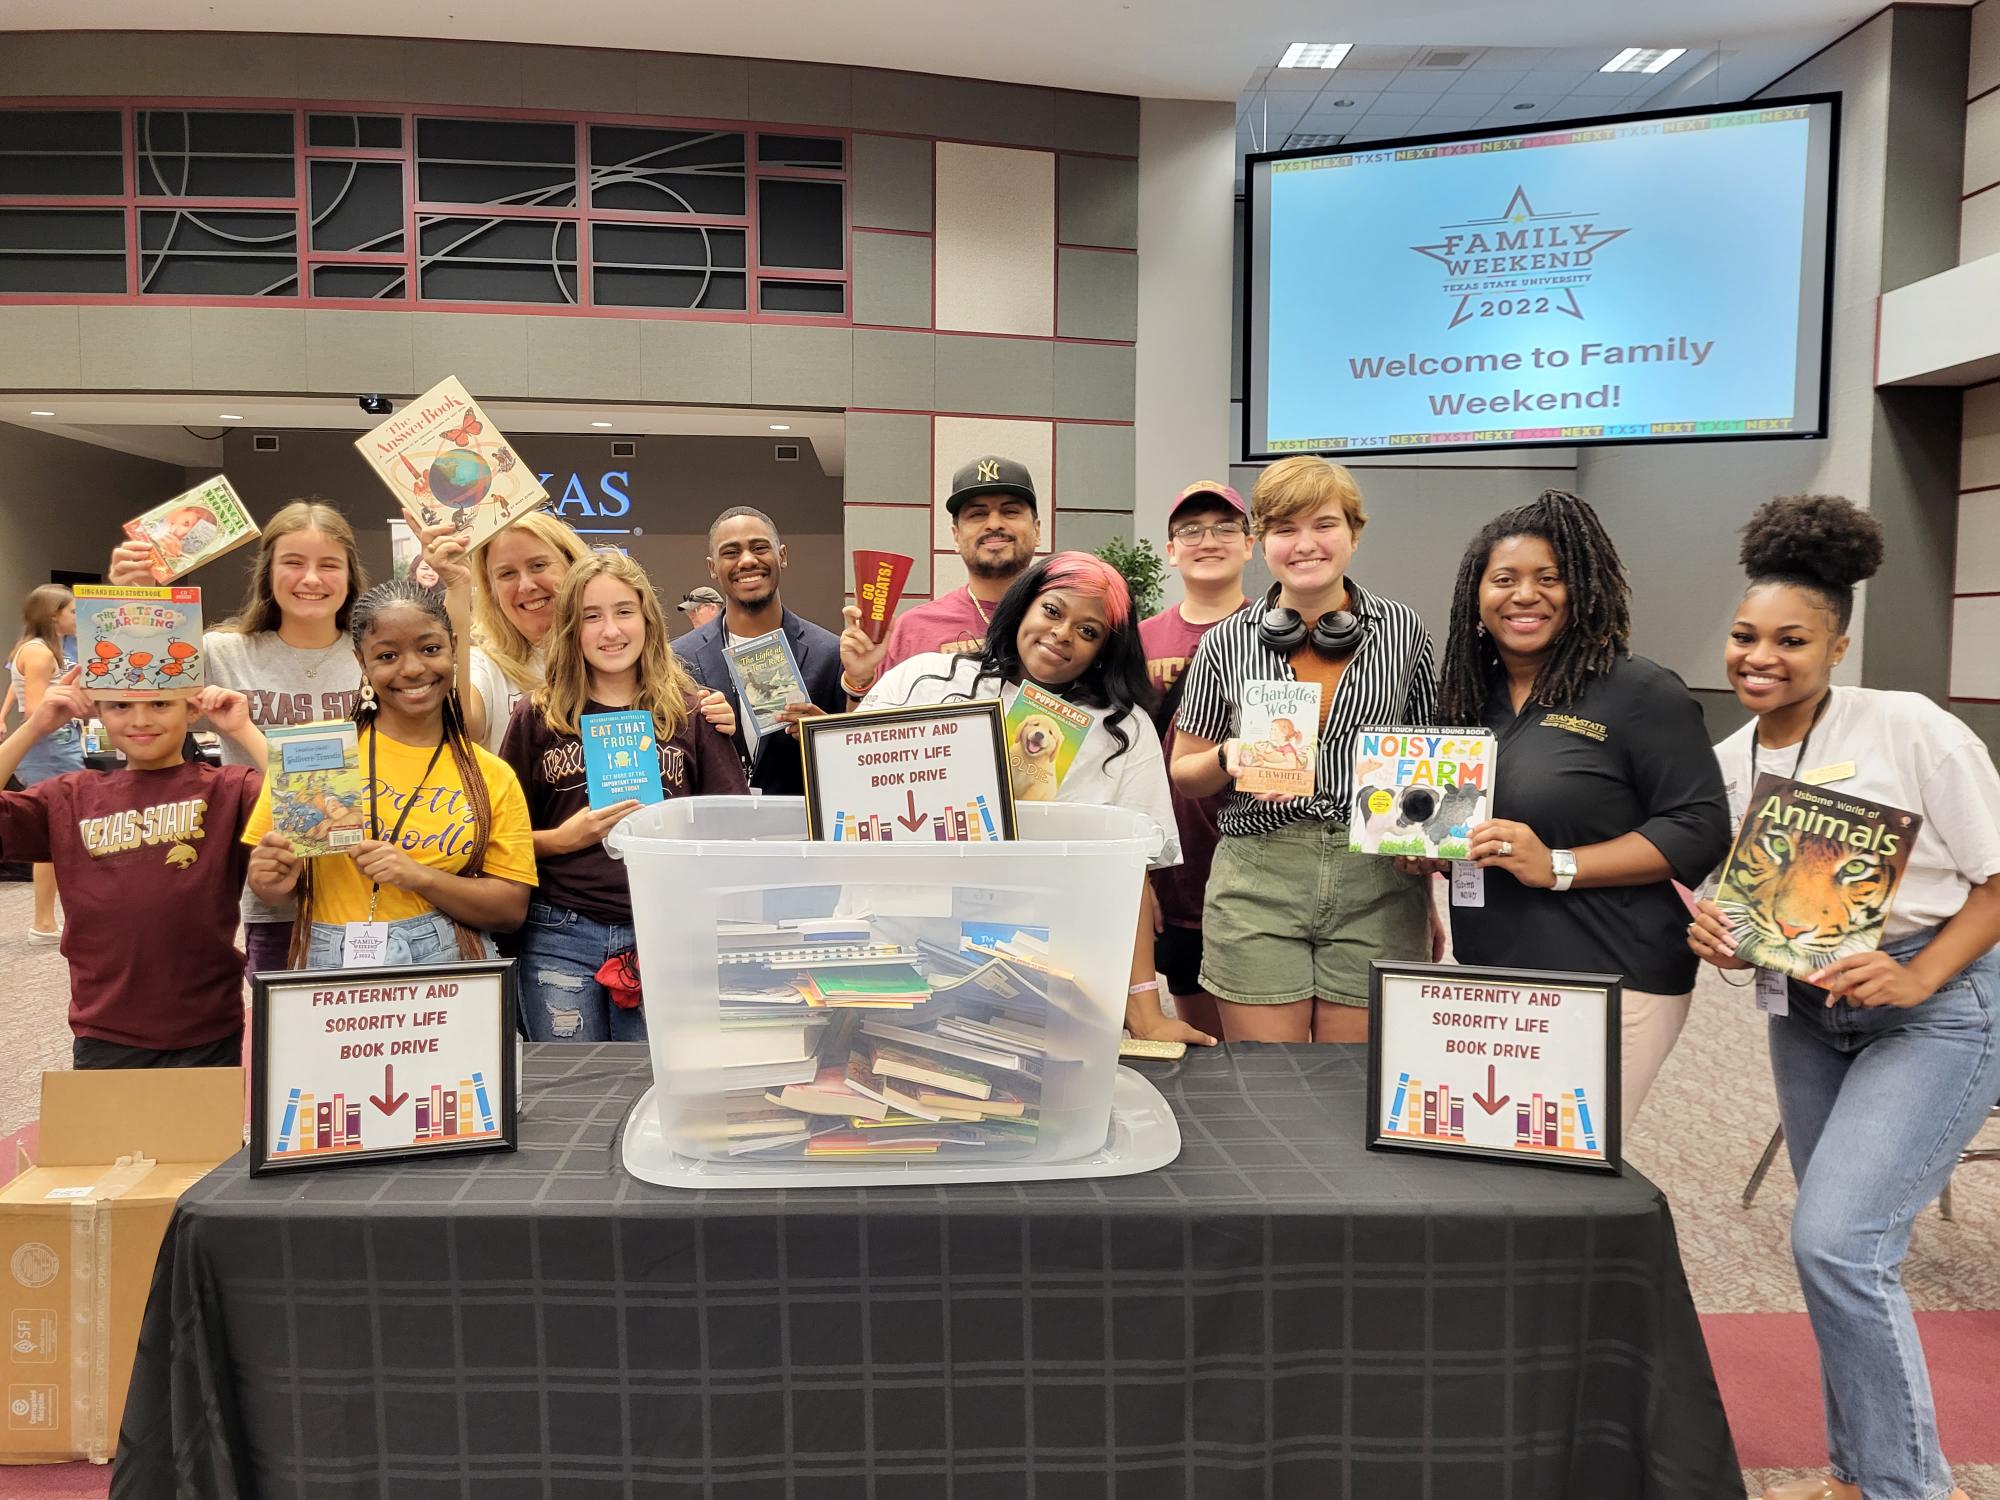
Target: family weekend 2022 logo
x=1519, y=263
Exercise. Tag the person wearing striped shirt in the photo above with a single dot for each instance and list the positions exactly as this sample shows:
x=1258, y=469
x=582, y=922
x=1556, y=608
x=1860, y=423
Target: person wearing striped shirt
x=1292, y=919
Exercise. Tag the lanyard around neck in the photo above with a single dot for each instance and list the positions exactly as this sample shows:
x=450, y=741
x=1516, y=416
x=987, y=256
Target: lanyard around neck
x=374, y=785
x=1800, y=760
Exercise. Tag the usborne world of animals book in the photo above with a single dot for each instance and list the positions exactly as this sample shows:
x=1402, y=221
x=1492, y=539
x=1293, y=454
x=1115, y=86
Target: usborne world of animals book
x=1812, y=875
x=446, y=461
x=1420, y=791
x=318, y=794
x=1278, y=742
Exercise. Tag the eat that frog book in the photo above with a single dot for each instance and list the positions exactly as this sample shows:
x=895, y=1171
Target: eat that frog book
x=1278, y=731
x=193, y=528
x=443, y=458
x=621, y=759
x=318, y=794
x=1812, y=875
x=1420, y=791
x=139, y=642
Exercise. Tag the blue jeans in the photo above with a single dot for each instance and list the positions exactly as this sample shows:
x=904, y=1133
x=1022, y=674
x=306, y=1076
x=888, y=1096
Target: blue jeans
x=1877, y=1104
x=426, y=939
x=561, y=1000
x=55, y=754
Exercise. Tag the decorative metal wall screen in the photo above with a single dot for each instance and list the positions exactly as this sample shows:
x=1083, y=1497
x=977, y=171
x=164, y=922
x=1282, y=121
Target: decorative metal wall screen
x=407, y=208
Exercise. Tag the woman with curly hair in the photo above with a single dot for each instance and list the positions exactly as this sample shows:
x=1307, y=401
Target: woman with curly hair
x=1604, y=790
x=1887, y=1061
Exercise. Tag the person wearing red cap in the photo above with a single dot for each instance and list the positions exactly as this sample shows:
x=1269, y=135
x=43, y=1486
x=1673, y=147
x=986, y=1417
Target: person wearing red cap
x=1209, y=544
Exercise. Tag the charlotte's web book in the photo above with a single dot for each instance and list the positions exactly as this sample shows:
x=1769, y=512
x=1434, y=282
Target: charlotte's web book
x=1043, y=735
x=1420, y=791
x=445, y=461
x=1812, y=875
x=319, y=798
x=767, y=678
x=1278, y=730
x=137, y=642
x=621, y=760
x=193, y=528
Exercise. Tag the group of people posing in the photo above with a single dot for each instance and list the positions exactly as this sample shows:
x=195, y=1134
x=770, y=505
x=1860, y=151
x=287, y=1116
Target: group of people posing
x=1261, y=921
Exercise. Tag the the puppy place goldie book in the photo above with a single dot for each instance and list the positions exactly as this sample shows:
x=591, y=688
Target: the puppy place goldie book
x=1812, y=875
x=1043, y=735
x=1278, y=735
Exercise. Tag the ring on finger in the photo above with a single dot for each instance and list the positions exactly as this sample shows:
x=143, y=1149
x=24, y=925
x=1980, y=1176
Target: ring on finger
x=1506, y=847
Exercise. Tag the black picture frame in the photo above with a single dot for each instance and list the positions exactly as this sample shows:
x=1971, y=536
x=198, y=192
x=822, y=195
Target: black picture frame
x=986, y=711
x=1612, y=986
x=269, y=993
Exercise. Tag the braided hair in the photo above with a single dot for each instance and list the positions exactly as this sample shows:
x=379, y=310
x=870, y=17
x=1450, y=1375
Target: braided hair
x=1822, y=544
x=1600, y=610
x=367, y=610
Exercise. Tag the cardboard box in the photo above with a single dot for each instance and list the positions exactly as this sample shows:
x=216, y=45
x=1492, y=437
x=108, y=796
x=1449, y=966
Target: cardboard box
x=79, y=1234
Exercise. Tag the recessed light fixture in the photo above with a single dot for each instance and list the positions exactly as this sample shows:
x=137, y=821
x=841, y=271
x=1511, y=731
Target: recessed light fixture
x=1343, y=104
x=781, y=427
x=227, y=416
x=41, y=414
x=1525, y=106
x=1315, y=54
x=600, y=424
x=1643, y=59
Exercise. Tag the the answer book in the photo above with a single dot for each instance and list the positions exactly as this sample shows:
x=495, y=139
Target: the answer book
x=446, y=461
x=139, y=642
x=767, y=678
x=193, y=528
x=621, y=758
x=1812, y=875
x=1420, y=791
x=1278, y=737
x=318, y=793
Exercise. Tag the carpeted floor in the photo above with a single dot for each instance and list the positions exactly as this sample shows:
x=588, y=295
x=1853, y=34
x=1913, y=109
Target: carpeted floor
x=1700, y=1134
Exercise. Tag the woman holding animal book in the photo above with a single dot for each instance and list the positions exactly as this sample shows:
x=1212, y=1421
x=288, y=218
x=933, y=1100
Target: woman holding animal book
x=1064, y=630
x=1293, y=918
x=1883, y=995
x=606, y=650
x=1602, y=793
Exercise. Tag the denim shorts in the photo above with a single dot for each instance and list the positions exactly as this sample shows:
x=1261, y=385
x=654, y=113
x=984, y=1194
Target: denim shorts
x=54, y=755
x=427, y=939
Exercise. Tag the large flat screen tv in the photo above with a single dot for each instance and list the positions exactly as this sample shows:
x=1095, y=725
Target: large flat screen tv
x=1642, y=279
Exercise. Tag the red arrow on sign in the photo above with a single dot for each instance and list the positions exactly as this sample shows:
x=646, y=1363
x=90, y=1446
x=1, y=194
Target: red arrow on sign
x=913, y=820
x=389, y=1101
x=1486, y=1101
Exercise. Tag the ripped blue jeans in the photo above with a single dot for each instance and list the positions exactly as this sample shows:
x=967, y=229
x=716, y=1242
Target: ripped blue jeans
x=561, y=1000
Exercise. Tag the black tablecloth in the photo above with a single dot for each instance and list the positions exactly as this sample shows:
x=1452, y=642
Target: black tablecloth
x=1279, y=1313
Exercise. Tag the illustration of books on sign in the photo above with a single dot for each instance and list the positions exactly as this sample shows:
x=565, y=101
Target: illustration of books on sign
x=1278, y=730
x=318, y=795
x=1812, y=875
x=621, y=760
x=767, y=678
x=193, y=528
x=1043, y=735
x=446, y=462
x=1420, y=791
x=139, y=643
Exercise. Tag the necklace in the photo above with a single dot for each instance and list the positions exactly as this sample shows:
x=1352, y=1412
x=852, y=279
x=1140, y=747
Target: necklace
x=312, y=671
x=984, y=618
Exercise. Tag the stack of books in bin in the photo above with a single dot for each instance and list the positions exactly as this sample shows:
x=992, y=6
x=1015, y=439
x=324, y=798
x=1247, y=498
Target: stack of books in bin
x=887, y=1050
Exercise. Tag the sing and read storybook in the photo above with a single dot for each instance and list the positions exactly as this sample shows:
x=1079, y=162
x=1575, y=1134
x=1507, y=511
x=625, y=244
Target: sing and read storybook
x=767, y=678
x=621, y=760
x=1043, y=735
x=193, y=528
x=445, y=461
x=1420, y=791
x=1812, y=875
x=318, y=794
x=139, y=642
x=1278, y=730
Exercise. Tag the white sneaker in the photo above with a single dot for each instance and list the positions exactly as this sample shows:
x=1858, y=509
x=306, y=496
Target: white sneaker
x=36, y=935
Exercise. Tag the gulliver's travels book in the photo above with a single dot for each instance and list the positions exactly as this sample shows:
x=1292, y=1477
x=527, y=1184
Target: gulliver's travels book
x=139, y=643
x=193, y=528
x=318, y=794
x=1279, y=737
x=1812, y=875
x=1420, y=791
x=446, y=462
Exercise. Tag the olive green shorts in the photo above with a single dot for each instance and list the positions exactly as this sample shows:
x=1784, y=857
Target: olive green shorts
x=1292, y=914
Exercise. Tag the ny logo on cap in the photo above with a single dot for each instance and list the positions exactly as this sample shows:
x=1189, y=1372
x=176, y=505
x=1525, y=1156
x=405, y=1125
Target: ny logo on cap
x=989, y=470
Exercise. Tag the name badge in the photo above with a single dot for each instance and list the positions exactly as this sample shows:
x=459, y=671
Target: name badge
x=363, y=945
x=1827, y=775
x=1773, y=997
x=1468, y=883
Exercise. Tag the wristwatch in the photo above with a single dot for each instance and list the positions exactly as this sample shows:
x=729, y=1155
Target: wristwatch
x=1564, y=864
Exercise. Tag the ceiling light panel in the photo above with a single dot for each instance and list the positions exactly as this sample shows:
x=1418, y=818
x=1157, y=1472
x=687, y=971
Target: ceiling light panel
x=1644, y=60
x=1315, y=54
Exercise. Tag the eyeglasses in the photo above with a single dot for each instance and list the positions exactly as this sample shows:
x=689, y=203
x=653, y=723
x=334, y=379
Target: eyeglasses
x=1222, y=531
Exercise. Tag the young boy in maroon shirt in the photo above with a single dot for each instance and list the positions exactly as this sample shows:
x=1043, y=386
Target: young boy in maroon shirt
x=150, y=865
x=1208, y=542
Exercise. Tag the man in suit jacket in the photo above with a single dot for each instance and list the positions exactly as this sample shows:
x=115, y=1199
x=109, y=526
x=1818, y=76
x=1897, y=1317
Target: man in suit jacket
x=746, y=559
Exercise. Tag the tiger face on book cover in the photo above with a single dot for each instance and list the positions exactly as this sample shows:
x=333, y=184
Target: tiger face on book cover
x=1812, y=875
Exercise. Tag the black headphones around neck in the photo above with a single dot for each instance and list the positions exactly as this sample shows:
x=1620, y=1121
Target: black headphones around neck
x=1335, y=633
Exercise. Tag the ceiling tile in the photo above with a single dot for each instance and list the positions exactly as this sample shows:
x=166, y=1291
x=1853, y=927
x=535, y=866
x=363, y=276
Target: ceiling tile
x=1367, y=80
x=1369, y=55
x=1456, y=103
x=1483, y=80
x=1422, y=81
x=1604, y=85
x=1293, y=80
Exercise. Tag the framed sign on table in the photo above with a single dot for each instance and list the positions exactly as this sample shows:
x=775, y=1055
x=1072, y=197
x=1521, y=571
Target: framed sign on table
x=1503, y=1064
x=381, y=1064
x=909, y=775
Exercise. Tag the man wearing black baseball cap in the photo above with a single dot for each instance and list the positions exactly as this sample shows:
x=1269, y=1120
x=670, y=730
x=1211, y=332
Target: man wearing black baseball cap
x=700, y=606
x=997, y=525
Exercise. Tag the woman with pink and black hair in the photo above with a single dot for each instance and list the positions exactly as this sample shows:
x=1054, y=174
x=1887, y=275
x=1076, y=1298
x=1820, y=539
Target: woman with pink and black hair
x=1066, y=625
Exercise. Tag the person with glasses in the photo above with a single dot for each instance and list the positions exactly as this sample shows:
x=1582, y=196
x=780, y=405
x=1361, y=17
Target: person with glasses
x=1209, y=544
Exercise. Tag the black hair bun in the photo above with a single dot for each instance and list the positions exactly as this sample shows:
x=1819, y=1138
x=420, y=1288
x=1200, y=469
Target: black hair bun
x=1824, y=538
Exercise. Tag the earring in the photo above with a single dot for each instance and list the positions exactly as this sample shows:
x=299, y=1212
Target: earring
x=367, y=695
x=1480, y=626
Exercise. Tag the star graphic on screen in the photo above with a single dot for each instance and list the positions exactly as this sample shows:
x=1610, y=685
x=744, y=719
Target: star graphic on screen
x=1547, y=243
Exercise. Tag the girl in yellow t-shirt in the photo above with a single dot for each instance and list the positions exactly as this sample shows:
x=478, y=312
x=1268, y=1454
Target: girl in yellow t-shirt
x=450, y=855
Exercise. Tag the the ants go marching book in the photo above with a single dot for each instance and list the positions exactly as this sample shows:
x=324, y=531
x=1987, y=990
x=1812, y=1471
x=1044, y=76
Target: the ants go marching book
x=318, y=794
x=1812, y=875
x=1278, y=737
x=193, y=528
x=1420, y=791
x=139, y=642
x=445, y=461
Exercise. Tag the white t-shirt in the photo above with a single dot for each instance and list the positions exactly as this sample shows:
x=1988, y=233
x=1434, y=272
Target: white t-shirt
x=1908, y=753
x=498, y=692
x=1100, y=776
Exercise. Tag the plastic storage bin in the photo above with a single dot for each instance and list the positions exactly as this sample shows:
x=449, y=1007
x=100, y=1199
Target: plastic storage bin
x=975, y=991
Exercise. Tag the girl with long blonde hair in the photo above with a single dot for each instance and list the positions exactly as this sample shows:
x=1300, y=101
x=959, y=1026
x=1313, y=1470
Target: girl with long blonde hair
x=47, y=615
x=605, y=648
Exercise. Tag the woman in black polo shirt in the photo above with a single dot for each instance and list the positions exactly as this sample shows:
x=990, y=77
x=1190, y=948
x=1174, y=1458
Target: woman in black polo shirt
x=1605, y=788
